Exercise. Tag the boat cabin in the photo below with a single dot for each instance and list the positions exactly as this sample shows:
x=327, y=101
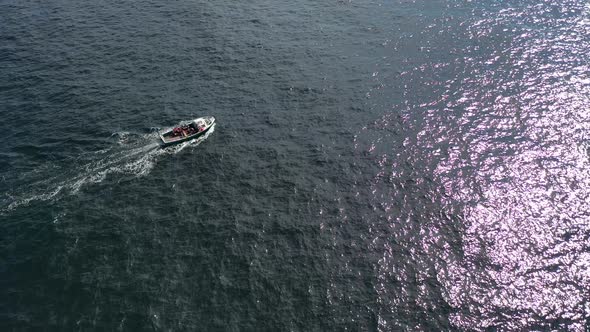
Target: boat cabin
x=190, y=129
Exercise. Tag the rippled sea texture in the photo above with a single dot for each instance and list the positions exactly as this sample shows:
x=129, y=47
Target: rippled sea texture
x=383, y=166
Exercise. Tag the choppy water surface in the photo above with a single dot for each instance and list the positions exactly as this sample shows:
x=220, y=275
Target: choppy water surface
x=376, y=165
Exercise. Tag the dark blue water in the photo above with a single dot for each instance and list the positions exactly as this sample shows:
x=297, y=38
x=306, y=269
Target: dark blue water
x=375, y=166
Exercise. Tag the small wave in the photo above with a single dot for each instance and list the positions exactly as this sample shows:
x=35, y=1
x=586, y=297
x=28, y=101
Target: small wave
x=134, y=154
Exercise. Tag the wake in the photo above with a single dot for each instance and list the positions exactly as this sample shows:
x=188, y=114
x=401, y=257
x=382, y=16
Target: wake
x=131, y=154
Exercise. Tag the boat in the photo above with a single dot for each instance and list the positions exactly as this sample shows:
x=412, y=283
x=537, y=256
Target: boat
x=187, y=130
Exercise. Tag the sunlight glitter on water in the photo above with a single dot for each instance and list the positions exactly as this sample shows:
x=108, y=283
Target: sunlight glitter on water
x=508, y=138
x=526, y=209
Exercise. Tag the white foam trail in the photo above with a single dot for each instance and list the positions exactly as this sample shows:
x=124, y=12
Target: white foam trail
x=134, y=154
x=42, y=197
